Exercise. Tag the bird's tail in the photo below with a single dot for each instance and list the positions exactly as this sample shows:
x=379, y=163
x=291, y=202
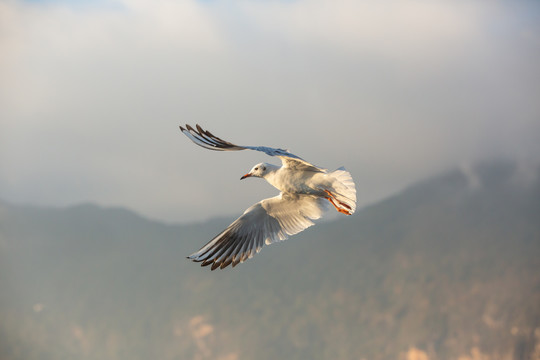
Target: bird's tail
x=344, y=191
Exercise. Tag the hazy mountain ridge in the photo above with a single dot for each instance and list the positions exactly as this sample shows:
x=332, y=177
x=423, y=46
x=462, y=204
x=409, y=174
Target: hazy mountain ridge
x=447, y=268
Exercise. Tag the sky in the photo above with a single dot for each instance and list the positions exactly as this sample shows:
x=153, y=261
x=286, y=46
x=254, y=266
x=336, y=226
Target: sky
x=92, y=93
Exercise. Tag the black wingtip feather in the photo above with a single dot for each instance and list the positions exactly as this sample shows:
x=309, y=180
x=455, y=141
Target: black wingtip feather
x=225, y=263
x=207, y=262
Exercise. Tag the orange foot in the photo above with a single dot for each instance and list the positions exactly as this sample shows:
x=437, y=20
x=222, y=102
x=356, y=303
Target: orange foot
x=331, y=198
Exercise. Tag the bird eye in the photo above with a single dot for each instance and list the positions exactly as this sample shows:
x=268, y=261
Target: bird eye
x=256, y=168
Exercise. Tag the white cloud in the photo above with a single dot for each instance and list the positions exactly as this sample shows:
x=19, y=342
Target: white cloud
x=91, y=97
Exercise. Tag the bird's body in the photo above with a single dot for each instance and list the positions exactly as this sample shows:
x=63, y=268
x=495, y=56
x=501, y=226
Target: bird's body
x=306, y=182
x=305, y=191
x=292, y=181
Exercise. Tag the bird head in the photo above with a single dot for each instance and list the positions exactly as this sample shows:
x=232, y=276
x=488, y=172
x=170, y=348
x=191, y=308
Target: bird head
x=258, y=170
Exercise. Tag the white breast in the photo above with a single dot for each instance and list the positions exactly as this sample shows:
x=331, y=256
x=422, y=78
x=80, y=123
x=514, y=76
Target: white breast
x=296, y=182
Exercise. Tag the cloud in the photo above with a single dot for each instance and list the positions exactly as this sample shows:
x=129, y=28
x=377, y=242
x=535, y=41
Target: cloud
x=92, y=96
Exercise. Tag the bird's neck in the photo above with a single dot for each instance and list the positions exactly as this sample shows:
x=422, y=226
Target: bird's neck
x=271, y=175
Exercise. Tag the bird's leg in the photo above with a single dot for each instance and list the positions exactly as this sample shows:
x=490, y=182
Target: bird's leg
x=331, y=198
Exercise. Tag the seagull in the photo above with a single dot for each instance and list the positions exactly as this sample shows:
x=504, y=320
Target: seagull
x=305, y=192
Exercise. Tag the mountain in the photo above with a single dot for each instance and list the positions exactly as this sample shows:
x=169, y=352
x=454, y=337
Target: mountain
x=447, y=269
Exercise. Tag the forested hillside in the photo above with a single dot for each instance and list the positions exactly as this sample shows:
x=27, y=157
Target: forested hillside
x=447, y=269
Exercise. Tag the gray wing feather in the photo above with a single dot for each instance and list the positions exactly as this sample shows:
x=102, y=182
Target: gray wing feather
x=209, y=141
x=268, y=221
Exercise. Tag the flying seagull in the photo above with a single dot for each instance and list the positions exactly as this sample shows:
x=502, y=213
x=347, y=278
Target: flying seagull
x=305, y=191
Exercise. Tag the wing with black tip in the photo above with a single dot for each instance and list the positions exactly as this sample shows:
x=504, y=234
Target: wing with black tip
x=266, y=222
x=209, y=141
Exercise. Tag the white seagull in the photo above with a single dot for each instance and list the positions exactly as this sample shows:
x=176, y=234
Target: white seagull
x=305, y=190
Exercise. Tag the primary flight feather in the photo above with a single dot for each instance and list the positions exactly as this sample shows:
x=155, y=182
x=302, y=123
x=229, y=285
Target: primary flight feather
x=305, y=192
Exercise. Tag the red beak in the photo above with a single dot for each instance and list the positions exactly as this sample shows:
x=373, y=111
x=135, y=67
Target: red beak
x=245, y=176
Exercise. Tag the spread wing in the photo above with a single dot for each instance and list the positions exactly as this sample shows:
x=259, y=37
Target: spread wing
x=266, y=222
x=209, y=141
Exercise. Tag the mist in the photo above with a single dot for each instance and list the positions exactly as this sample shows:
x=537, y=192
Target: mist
x=92, y=95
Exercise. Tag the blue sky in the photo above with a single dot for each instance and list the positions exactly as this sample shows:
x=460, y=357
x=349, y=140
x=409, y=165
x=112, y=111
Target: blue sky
x=93, y=93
